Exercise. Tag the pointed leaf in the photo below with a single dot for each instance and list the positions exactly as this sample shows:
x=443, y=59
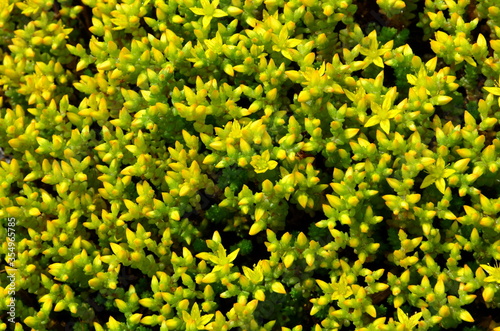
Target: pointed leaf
x=278, y=288
x=428, y=180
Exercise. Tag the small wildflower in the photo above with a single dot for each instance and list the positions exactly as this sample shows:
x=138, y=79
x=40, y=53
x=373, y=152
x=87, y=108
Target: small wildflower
x=494, y=273
x=261, y=163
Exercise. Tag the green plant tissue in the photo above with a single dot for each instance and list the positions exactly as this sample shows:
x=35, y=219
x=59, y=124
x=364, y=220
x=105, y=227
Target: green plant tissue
x=249, y=165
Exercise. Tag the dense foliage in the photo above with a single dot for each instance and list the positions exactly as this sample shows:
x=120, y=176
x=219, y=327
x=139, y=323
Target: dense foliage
x=253, y=165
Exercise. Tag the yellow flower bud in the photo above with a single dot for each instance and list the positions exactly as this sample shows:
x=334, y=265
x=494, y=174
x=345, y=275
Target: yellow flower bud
x=288, y=260
x=488, y=293
x=444, y=311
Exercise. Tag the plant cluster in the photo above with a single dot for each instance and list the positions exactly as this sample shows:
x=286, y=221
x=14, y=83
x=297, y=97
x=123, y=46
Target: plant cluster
x=253, y=165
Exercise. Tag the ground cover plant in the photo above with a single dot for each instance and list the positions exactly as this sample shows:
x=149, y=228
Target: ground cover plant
x=249, y=165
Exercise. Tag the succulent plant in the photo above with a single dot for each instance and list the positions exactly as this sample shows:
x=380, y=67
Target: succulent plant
x=258, y=165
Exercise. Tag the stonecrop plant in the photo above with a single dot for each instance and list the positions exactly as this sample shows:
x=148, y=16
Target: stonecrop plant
x=249, y=165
